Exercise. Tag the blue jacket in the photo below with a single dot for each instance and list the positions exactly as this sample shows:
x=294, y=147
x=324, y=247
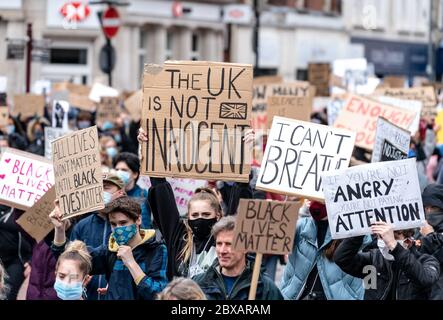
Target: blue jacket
x=94, y=231
x=141, y=195
x=337, y=285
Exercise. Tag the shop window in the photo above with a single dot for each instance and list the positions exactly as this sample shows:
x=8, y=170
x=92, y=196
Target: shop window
x=68, y=56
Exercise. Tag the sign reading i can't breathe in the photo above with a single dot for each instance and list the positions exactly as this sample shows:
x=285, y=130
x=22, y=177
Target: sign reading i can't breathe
x=195, y=115
x=266, y=226
x=297, y=152
x=383, y=191
x=78, y=174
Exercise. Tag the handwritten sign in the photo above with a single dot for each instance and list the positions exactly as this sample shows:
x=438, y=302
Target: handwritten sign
x=78, y=174
x=412, y=105
x=24, y=178
x=360, y=115
x=318, y=76
x=424, y=94
x=35, y=221
x=108, y=109
x=266, y=226
x=383, y=191
x=391, y=142
x=28, y=105
x=50, y=135
x=296, y=154
x=195, y=115
x=299, y=108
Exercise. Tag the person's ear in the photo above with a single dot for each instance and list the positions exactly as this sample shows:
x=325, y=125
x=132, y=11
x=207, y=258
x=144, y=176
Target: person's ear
x=138, y=221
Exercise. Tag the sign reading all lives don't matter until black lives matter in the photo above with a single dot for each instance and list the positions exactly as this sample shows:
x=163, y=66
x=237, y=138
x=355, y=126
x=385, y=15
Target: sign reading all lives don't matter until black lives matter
x=195, y=115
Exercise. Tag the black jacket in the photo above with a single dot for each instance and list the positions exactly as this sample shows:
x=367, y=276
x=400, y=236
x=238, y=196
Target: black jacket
x=413, y=281
x=166, y=215
x=212, y=284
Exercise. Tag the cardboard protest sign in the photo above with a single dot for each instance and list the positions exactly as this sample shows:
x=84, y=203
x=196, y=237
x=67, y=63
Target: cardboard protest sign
x=78, y=174
x=60, y=111
x=394, y=81
x=195, y=115
x=35, y=221
x=391, y=142
x=134, y=105
x=265, y=226
x=4, y=116
x=297, y=152
x=360, y=115
x=99, y=90
x=319, y=75
x=78, y=96
x=28, y=105
x=108, y=110
x=383, y=191
x=412, y=105
x=24, y=178
x=424, y=94
x=50, y=135
x=289, y=107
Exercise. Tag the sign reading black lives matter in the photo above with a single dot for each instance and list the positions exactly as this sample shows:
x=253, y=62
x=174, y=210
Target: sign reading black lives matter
x=195, y=115
x=266, y=226
x=391, y=142
x=383, y=191
x=77, y=171
x=297, y=152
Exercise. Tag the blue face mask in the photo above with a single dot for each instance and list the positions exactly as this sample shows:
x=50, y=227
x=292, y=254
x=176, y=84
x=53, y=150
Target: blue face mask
x=125, y=176
x=84, y=124
x=107, y=125
x=68, y=291
x=107, y=197
x=10, y=128
x=112, y=152
x=118, y=138
x=124, y=234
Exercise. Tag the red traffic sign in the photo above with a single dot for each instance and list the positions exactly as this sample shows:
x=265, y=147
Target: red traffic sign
x=111, y=22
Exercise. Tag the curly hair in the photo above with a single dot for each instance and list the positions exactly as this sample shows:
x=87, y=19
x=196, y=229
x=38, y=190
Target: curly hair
x=126, y=205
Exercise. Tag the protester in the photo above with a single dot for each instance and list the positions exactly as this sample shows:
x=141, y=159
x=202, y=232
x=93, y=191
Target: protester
x=134, y=261
x=128, y=167
x=230, y=276
x=72, y=272
x=3, y=285
x=108, y=150
x=311, y=273
x=182, y=289
x=95, y=229
x=431, y=240
x=36, y=135
x=401, y=272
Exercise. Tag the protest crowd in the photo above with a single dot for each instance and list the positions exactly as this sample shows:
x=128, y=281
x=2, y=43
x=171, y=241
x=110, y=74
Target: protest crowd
x=204, y=182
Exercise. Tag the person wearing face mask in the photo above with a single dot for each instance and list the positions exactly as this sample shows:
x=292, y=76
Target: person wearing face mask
x=72, y=272
x=134, y=261
x=94, y=230
x=311, y=273
x=108, y=150
x=35, y=134
x=431, y=234
x=128, y=169
x=403, y=273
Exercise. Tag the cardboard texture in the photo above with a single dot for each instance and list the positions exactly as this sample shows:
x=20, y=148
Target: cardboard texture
x=195, y=115
x=134, y=105
x=383, y=191
x=319, y=75
x=299, y=108
x=78, y=174
x=424, y=94
x=394, y=81
x=4, y=116
x=24, y=178
x=297, y=152
x=28, y=105
x=266, y=227
x=35, y=221
x=108, y=110
x=391, y=142
x=360, y=115
x=50, y=135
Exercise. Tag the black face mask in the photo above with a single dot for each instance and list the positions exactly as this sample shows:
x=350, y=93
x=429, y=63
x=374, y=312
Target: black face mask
x=435, y=220
x=201, y=228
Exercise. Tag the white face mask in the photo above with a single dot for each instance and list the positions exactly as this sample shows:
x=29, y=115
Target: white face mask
x=385, y=250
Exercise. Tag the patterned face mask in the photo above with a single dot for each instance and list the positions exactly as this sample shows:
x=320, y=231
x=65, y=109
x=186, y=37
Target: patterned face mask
x=124, y=234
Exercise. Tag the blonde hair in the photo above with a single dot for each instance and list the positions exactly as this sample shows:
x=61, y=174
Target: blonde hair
x=182, y=289
x=3, y=286
x=201, y=194
x=77, y=251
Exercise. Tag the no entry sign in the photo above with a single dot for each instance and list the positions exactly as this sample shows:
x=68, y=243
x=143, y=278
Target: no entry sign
x=111, y=22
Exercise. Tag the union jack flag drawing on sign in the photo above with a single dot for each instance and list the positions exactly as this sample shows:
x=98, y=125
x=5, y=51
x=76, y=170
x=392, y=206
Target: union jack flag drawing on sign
x=230, y=110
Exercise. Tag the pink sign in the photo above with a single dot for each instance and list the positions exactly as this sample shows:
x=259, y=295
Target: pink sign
x=24, y=178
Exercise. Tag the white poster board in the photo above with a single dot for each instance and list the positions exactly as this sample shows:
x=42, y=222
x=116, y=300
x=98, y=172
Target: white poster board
x=359, y=196
x=391, y=142
x=99, y=90
x=296, y=154
x=412, y=105
x=60, y=111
